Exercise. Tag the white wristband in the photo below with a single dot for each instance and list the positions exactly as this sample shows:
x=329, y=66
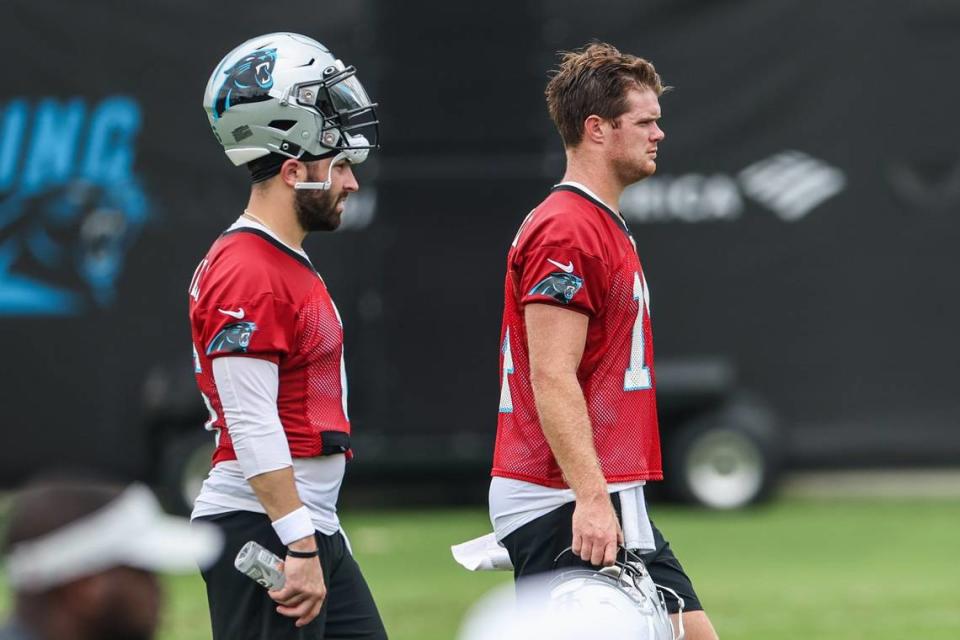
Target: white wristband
x=294, y=526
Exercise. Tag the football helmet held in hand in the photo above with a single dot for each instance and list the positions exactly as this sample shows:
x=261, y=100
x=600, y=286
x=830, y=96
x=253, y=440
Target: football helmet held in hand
x=624, y=592
x=614, y=603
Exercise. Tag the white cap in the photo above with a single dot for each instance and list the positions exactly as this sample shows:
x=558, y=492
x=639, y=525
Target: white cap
x=131, y=531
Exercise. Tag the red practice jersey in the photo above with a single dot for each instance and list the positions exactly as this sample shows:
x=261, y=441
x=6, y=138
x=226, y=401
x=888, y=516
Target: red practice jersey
x=574, y=252
x=252, y=296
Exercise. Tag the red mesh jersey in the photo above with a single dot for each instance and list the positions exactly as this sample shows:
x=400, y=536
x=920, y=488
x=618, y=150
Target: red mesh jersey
x=252, y=296
x=573, y=251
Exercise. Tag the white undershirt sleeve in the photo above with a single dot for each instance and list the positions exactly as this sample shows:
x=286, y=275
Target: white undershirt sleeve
x=248, y=394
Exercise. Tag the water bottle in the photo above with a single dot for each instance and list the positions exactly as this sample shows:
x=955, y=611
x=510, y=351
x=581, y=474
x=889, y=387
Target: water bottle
x=261, y=564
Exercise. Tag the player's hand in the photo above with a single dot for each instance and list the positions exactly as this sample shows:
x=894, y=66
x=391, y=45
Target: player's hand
x=303, y=592
x=596, y=531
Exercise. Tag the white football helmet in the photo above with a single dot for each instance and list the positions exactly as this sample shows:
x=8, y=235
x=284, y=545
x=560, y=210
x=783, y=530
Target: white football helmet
x=625, y=592
x=614, y=603
x=287, y=94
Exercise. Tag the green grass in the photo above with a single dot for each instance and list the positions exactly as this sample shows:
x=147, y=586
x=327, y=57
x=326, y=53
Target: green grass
x=838, y=570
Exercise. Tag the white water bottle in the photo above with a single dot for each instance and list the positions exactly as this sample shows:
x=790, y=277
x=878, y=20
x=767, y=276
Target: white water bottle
x=261, y=564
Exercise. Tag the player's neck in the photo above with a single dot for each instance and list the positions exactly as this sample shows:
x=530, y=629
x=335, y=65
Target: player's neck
x=594, y=176
x=278, y=216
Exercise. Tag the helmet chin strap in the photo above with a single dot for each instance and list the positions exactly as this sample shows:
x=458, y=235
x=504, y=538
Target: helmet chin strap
x=325, y=185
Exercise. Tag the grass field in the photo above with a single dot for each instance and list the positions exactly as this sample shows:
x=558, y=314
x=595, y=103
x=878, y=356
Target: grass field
x=800, y=569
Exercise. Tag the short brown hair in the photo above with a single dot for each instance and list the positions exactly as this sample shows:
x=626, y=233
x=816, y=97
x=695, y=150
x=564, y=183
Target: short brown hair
x=594, y=80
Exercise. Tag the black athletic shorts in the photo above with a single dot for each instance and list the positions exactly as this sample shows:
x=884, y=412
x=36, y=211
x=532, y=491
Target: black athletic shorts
x=534, y=546
x=240, y=609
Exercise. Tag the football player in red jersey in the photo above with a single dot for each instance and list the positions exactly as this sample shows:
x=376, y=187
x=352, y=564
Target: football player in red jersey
x=577, y=434
x=268, y=343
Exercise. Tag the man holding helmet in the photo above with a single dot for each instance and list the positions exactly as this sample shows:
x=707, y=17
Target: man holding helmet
x=268, y=342
x=577, y=434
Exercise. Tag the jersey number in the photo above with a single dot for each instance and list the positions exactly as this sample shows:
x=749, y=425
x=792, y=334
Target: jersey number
x=506, y=399
x=637, y=376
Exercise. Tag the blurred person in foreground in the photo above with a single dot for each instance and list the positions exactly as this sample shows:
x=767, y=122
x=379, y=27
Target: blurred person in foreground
x=577, y=433
x=81, y=559
x=268, y=343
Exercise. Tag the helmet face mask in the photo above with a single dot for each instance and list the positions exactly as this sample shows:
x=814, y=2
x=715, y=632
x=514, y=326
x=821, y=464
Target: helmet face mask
x=342, y=102
x=285, y=93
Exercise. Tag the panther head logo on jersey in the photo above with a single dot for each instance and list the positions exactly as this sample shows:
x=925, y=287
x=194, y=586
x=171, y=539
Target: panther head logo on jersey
x=247, y=81
x=233, y=338
x=559, y=286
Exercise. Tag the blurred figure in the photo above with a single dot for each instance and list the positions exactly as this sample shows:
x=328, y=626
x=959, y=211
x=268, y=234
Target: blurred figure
x=81, y=557
x=268, y=343
x=577, y=435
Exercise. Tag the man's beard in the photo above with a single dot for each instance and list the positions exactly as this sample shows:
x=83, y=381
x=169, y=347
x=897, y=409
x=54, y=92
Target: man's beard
x=316, y=208
x=113, y=633
x=115, y=623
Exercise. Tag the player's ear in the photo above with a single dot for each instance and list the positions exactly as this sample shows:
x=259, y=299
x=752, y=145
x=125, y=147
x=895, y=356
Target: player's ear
x=293, y=171
x=594, y=129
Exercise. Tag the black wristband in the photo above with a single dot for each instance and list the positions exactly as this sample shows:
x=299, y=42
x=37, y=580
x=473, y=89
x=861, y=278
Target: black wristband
x=303, y=554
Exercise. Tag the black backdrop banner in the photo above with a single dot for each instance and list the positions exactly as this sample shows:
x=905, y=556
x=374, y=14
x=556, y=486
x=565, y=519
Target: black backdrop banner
x=802, y=224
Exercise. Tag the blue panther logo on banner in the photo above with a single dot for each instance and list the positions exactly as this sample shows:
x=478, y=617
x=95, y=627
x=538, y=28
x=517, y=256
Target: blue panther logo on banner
x=70, y=204
x=249, y=80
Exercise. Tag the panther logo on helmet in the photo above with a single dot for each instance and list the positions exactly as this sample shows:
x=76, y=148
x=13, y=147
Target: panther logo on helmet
x=249, y=80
